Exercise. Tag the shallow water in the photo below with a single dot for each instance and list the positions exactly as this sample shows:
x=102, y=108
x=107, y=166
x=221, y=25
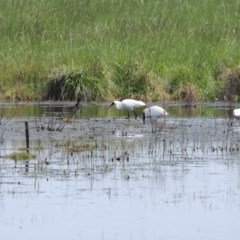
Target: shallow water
x=106, y=177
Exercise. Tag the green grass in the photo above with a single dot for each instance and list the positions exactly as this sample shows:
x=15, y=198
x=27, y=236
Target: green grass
x=104, y=49
x=20, y=156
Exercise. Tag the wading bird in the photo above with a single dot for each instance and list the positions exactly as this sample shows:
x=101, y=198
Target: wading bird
x=78, y=104
x=128, y=104
x=154, y=112
x=236, y=113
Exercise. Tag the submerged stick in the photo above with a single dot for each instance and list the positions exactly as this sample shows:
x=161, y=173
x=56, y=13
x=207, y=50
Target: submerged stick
x=27, y=145
x=27, y=136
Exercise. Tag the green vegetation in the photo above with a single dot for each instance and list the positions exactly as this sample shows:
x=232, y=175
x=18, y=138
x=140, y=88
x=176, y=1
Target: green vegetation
x=104, y=49
x=80, y=148
x=20, y=156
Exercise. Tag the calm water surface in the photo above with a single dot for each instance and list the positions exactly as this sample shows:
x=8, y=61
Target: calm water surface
x=106, y=177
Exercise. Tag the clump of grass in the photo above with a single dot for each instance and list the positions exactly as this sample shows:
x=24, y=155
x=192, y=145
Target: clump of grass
x=21, y=83
x=188, y=93
x=52, y=124
x=62, y=86
x=20, y=156
x=182, y=86
x=86, y=84
x=96, y=83
x=132, y=79
x=231, y=84
x=71, y=148
x=80, y=148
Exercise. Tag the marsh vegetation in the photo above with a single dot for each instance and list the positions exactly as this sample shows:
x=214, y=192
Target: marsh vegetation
x=98, y=50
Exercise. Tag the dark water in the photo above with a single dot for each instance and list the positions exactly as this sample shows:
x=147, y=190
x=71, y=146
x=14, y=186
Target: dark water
x=105, y=177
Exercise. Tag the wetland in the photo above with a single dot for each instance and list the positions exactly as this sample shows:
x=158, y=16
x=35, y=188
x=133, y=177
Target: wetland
x=96, y=175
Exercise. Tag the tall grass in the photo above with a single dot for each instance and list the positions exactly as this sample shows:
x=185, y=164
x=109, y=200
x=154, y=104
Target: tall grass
x=160, y=46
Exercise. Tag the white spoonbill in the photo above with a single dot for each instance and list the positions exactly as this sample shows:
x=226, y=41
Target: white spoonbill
x=154, y=112
x=128, y=104
x=236, y=113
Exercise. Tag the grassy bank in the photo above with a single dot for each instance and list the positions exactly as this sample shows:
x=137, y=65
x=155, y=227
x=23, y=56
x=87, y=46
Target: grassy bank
x=104, y=49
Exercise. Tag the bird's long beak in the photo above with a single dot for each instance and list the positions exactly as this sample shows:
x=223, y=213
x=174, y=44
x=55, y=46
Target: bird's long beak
x=144, y=118
x=110, y=105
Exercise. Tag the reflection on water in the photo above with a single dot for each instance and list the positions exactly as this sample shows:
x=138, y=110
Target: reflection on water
x=105, y=177
x=100, y=110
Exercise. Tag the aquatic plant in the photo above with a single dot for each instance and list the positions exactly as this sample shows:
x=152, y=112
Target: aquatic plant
x=79, y=148
x=20, y=156
x=50, y=124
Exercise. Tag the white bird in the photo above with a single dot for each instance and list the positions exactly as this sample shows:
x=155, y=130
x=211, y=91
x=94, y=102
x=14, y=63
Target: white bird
x=236, y=113
x=128, y=104
x=154, y=112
